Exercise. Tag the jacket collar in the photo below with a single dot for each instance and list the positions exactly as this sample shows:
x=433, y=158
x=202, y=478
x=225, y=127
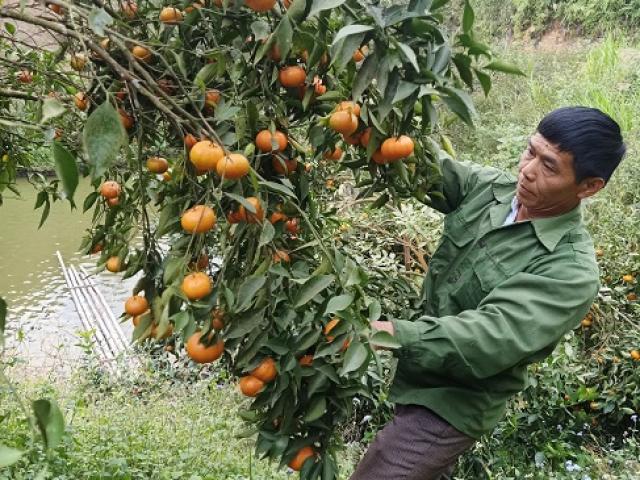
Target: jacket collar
x=549, y=230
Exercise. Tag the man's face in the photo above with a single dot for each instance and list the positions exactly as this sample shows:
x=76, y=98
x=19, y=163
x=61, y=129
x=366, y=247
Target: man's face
x=546, y=179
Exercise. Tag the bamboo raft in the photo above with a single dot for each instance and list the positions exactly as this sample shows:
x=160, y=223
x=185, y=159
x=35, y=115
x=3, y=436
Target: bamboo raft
x=109, y=341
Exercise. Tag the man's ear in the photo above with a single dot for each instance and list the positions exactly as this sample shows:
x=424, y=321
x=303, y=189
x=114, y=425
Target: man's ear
x=590, y=186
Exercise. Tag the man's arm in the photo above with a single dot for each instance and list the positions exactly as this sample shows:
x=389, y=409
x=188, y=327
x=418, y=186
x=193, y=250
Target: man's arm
x=525, y=314
x=457, y=180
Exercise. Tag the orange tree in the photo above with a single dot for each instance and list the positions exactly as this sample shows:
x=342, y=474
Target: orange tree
x=203, y=129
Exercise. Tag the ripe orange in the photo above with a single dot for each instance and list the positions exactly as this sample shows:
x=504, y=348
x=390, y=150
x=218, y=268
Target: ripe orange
x=266, y=371
x=157, y=165
x=113, y=202
x=129, y=9
x=352, y=139
x=198, y=219
x=274, y=53
x=291, y=77
x=599, y=252
x=78, y=61
x=284, y=167
x=235, y=217
x=260, y=5
x=141, y=53
x=104, y=43
x=249, y=217
x=81, y=101
x=635, y=355
x=333, y=155
x=217, y=319
x=359, y=54
x=343, y=122
x=318, y=87
x=277, y=217
x=196, y=285
x=632, y=297
x=379, y=158
x=281, y=256
x=57, y=9
x=264, y=139
x=110, y=189
x=190, y=141
x=125, y=118
x=365, y=137
x=97, y=248
x=349, y=106
x=628, y=278
x=166, y=177
x=212, y=98
x=114, y=264
x=330, y=326
x=306, y=360
x=170, y=15
x=25, y=76
x=251, y=386
x=292, y=226
x=586, y=322
x=233, y=166
x=397, y=148
x=302, y=456
x=136, y=305
x=206, y=155
x=200, y=353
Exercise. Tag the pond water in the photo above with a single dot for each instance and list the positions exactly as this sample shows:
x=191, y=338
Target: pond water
x=42, y=323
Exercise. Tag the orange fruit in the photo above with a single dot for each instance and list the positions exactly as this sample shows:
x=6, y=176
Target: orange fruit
x=343, y=122
x=632, y=297
x=284, y=167
x=166, y=177
x=249, y=217
x=113, y=202
x=379, y=158
x=235, y=217
x=189, y=141
x=205, y=155
x=81, y=101
x=212, y=98
x=251, y=386
x=281, y=256
x=157, y=165
x=136, y=305
x=628, y=278
x=336, y=154
x=306, y=360
x=170, y=15
x=264, y=139
x=599, y=252
x=110, y=189
x=352, y=139
x=292, y=77
x=57, y=9
x=141, y=53
x=217, y=319
x=397, y=148
x=635, y=355
x=196, y=285
x=198, y=219
x=78, y=61
x=114, y=264
x=125, y=118
x=277, y=217
x=330, y=326
x=266, y=371
x=260, y=5
x=200, y=353
x=586, y=322
x=365, y=137
x=349, y=106
x=25, y=76
x=97, y=248
x=274, y=53
x=358, y=55
x=233, y=166
x=292, y=226
x=302, y=456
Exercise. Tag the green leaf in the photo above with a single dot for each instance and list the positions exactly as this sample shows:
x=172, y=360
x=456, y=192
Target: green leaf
x=242, y=201
x=384, y=339
x=66, y=169
x=485, y=81
x=349, y=30
x=375, y=310
x=260, y=30
x=339, y=303
x=205, y=74
x=248, y=290
x=354, y=358
x=267, y=233
x=89, y=201
x=320, y=5
x=365, y=75
x=98, y=20
x=51, y=108
x=342, y=51
x=102, y=137
x=505, y=67
x=311, y=288
x=317, y=408
x=409, y=54
x=278, y=187
x=244, y=324
x=9, y=456
x=468, y=17
x=45, y=211
x=181, y=320
x=3, y=319
x=10, y=27
x=405, y=90
x=460, y=103
x=50, y=421
x=283, y=36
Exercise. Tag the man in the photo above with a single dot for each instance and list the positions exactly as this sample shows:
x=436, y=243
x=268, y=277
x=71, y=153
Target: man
x=514, y=272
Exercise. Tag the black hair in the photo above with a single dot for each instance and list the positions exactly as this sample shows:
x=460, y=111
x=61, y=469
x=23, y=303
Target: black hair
x=591, y=136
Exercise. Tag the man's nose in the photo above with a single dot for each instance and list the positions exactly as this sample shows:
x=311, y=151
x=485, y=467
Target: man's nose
x=528, y=169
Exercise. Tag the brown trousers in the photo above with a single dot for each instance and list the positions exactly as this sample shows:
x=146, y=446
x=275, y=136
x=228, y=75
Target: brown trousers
x=416, y=445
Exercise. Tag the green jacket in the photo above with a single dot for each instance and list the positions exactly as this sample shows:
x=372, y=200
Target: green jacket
x=496, y=298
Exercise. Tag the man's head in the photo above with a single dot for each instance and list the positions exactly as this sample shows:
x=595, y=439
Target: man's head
x=570, y=157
